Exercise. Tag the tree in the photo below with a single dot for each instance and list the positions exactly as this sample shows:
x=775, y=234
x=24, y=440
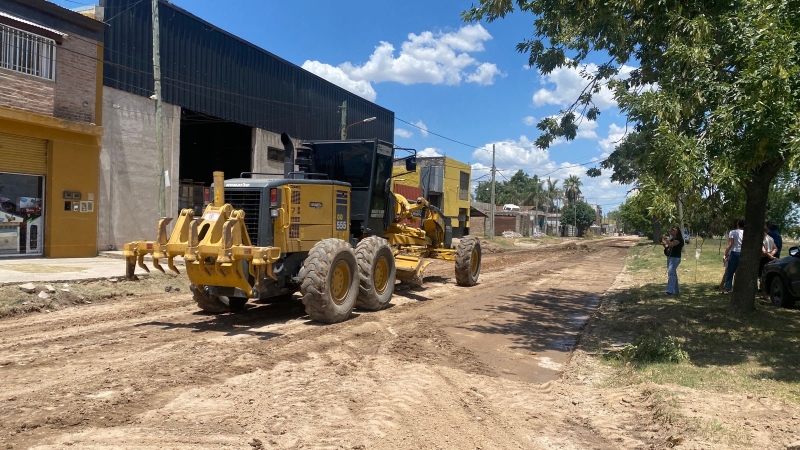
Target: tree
x=713, y=102
x=580, y=214
x=572, y=188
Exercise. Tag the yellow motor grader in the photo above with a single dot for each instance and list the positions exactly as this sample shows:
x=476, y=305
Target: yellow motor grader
x=328, y=226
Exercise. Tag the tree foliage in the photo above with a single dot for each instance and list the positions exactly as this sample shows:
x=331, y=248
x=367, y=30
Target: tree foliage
x=580, y=214
x=712, y=104
x=520, y=189
x=572, y=188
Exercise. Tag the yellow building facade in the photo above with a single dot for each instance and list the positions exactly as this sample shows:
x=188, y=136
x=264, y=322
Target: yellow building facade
x=50, y=130
x=445, y=183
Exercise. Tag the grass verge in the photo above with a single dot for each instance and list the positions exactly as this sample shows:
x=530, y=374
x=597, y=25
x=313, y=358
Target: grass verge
x=690, y=340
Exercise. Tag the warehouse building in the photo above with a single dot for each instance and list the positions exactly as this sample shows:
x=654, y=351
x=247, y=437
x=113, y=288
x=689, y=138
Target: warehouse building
x=226, y=102
x=50, y=117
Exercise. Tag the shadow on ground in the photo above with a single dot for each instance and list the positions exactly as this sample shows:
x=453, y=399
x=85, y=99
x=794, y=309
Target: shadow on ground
x=769, y=337
x=536, y=321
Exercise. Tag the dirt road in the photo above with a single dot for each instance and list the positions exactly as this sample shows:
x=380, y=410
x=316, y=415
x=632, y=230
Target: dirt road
x=444, y=367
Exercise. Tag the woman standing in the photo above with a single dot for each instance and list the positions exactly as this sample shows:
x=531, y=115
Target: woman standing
x=673, y=244
x=732, y=253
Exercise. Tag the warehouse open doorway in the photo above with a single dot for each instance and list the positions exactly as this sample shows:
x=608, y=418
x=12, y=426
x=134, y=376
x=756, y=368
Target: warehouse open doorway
x=209, y=144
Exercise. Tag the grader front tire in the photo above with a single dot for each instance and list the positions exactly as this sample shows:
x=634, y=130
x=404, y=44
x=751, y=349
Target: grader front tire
x=468, y=261
x=329, y=284
x=216, y=304
x=376, y=272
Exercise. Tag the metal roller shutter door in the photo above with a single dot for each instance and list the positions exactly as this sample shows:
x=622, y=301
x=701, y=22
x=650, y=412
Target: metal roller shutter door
x=20, y=154
x=504, y=223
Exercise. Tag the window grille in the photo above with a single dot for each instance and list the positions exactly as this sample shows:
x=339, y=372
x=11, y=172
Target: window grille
x=463, y=186
x=28, y=53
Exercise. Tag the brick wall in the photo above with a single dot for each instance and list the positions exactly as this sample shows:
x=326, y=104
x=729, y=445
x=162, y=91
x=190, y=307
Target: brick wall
x=26, y=92
x=70, y=97
x=76, y=73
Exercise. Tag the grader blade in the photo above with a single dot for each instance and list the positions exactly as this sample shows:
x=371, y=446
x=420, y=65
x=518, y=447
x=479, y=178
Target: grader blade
x=410, y=268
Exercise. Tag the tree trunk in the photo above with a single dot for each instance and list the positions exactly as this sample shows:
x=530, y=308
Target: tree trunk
x=746, y=279
x=656, y=230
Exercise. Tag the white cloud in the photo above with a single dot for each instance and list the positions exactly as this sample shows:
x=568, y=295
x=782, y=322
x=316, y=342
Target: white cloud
x=569, y=84
x=400, y=132
x=615, y=135
x=428, y=57
x=484, y=74
x=429, y=152
x=423, y=129
x=530, y=121
x=337, y=76
x=513, y=155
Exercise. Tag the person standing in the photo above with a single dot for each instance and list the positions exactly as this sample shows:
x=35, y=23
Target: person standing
x=776, y=237
x=672, y=250
x=768, y=251
x=732, y=254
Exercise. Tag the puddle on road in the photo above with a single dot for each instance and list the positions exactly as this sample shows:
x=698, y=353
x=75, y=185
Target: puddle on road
x=564, y=344
x=547, y=363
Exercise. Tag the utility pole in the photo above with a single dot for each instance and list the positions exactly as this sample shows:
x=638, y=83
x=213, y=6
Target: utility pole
x=162, y=202
x=574, y=219
x=491, y=207
x=344, y=120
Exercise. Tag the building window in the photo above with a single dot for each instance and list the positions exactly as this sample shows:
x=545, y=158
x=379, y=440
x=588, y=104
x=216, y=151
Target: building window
x=275, y=154
x=463, y=186
x=28, y=53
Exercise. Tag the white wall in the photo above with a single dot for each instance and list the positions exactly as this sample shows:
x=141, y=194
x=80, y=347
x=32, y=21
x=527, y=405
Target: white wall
x=260, y=141
x=128, y=194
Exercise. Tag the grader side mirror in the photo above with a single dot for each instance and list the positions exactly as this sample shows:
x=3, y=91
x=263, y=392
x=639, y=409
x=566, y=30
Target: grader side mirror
x=411, y=164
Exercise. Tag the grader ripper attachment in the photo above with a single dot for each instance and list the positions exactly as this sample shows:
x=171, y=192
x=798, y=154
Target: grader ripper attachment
x=331, y=229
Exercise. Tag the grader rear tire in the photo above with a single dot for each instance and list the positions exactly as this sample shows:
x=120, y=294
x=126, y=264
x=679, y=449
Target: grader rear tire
x=216, y=304
x=376, y=272
x=468, y=261
x=329, y=284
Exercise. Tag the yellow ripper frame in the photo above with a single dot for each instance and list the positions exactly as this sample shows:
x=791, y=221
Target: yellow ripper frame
x=216, y=248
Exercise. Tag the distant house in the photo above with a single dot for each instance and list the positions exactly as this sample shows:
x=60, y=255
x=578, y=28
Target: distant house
x=445, y=183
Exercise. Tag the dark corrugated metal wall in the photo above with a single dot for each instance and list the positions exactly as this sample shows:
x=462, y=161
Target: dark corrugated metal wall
x=213, y=72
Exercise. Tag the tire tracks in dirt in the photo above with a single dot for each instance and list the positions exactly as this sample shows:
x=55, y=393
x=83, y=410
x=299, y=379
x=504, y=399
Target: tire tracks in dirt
x=155, y=372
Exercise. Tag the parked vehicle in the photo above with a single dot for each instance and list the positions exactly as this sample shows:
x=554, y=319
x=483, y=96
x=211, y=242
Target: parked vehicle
x=781, y=280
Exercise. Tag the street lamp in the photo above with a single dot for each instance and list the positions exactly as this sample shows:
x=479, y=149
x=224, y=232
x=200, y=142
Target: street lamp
x=344, y=131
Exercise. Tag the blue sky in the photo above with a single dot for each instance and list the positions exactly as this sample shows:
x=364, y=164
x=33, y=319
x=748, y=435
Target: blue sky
x=418, y=59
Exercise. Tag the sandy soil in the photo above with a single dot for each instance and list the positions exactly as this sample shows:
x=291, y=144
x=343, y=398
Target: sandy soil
x=486, y=367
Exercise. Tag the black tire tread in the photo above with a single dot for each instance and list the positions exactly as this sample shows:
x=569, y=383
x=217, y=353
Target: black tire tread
x=787, y=300
x=314, y=278
x=366, y=252
x=463, y=261
x=208, y=303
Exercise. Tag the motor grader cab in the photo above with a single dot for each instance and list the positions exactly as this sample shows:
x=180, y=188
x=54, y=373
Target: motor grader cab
x=328, y=227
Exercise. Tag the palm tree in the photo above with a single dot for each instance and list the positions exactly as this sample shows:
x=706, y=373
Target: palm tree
x=552, y=194
x=572, y=188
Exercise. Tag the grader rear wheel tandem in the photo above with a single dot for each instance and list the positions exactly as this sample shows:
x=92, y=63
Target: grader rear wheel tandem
x=329, y=281
x=377, y=273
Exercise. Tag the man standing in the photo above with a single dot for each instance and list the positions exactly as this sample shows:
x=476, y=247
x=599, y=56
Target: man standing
x=772, y=231
x=768, y=252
